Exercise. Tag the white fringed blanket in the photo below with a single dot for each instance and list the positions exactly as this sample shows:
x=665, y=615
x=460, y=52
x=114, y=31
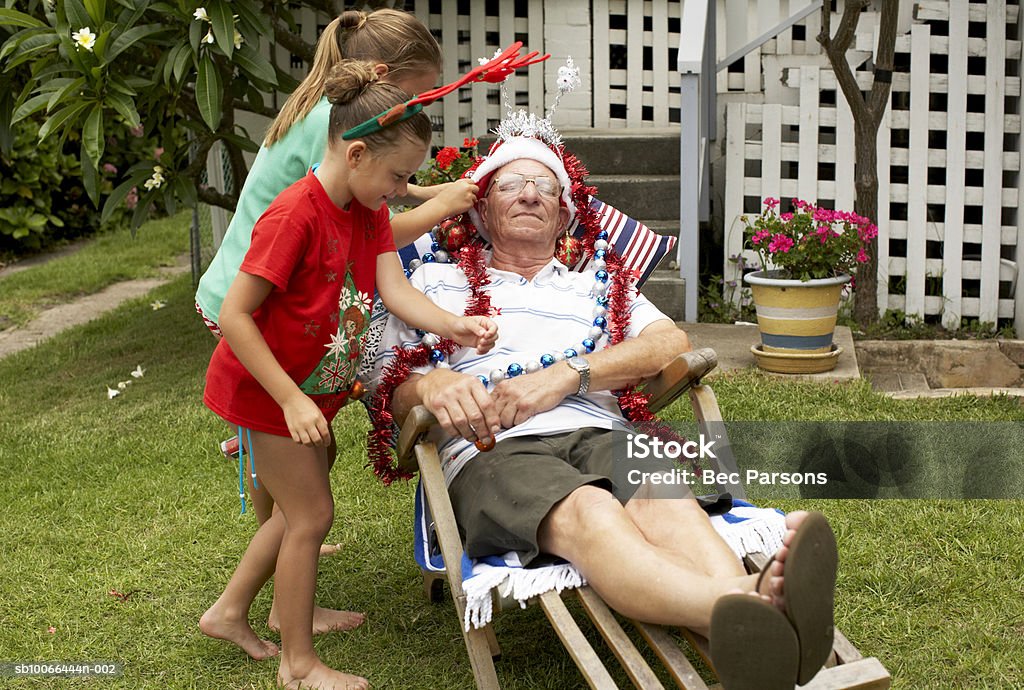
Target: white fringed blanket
x=745, y=528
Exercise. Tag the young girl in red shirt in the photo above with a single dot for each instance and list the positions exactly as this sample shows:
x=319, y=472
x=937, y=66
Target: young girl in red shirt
x=292, y=322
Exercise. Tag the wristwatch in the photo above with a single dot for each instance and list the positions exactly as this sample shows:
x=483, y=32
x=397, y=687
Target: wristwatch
x=582, y=367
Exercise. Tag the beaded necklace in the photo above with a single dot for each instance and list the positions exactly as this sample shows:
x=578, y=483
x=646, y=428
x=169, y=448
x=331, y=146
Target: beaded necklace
x=614, y=296
x=598, y=330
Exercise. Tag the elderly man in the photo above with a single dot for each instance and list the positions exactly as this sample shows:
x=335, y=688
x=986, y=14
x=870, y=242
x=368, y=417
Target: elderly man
x=546, y=487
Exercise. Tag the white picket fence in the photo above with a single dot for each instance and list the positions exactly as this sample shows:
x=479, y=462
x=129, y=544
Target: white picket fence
x=949, y=151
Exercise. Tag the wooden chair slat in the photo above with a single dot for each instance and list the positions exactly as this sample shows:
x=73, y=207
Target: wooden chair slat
x=679, y=667
x=623, y=648
x=575, y=642
x=477, y=645
x=864, y=674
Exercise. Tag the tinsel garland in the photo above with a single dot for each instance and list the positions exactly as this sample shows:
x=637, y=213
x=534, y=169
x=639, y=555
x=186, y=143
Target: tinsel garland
x=381, y=438
x=632, y=402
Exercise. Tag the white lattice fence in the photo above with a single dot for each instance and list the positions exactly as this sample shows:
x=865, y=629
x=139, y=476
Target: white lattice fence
x=949, y=162
x=634, y=65
x=467, y=37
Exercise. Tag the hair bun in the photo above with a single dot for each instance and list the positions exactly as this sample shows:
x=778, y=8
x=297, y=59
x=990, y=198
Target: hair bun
x=348, y=80
x=352, y=19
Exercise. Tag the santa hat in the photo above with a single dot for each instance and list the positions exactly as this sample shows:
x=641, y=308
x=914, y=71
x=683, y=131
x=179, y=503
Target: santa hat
x=517, y=148
x=525, y=135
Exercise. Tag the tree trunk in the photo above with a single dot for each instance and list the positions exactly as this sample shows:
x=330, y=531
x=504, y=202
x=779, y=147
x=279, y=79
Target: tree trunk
x=867, y=110
x=865, y=296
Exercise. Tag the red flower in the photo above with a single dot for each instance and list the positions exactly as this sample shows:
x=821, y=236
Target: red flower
x=446, y=156
x=468, y=143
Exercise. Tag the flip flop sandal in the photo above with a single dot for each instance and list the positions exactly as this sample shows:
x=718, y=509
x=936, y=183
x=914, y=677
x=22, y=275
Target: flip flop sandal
x=753, y=645
x=809, y=581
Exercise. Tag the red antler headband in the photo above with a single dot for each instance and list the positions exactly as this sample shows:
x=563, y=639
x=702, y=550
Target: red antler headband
x=495, y=70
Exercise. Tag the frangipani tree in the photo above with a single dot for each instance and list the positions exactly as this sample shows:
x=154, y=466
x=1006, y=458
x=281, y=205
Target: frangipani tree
x=177, y=72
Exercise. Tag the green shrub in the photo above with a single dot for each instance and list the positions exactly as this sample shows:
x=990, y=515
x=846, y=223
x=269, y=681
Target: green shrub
x=42, y=197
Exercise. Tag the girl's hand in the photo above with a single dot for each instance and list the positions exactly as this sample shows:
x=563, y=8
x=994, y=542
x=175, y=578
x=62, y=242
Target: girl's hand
x=306, y=422
x=456, y=197
x=475, y=331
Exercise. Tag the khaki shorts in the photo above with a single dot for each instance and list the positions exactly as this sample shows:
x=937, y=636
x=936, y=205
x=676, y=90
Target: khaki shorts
x=501, y=497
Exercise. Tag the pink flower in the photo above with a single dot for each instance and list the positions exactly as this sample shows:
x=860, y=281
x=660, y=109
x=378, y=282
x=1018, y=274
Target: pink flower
x=158, y=151
x=137, y=131
x=862, y=257
x=786, y=217
x=867, y=232
x=110, y=168
x=771, y=202
x=52, y=630
x=132, y=199
x=760, y=235
x=780, y=243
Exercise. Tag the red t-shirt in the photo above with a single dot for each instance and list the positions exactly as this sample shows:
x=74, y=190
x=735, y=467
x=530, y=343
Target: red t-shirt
x=322, y=261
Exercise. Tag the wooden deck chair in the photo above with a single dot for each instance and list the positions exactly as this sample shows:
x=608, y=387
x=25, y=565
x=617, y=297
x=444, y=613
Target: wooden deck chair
x=845, y=669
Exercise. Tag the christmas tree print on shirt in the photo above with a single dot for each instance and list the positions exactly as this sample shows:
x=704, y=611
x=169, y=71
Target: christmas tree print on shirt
x=337, y=370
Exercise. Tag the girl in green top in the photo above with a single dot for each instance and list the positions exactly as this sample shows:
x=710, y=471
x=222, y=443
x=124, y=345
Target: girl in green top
x=406, y=55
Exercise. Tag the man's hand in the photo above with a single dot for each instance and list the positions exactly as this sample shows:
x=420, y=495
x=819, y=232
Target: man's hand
x=518, y=399
x=475, y=331
x=461, y=404
x=305, y=421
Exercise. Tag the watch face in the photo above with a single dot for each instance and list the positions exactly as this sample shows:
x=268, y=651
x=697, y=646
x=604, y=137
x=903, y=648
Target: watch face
x=578, y=363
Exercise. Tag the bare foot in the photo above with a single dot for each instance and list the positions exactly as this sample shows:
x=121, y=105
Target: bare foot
x=329, y=549
x=217, y=625
x=319, y=676
x=324, y=620
x=773, y=586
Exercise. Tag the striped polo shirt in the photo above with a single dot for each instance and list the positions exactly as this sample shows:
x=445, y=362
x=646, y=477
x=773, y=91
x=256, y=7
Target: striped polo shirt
x=547, y=314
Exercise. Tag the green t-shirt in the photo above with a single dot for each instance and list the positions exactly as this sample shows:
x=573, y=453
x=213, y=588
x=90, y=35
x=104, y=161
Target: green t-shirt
x=276, y=167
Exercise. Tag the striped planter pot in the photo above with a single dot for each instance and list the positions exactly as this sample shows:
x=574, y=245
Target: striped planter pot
x=796, y=317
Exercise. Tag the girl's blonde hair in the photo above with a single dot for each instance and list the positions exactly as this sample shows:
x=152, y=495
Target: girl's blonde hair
x=357, y=94
x=394, y=38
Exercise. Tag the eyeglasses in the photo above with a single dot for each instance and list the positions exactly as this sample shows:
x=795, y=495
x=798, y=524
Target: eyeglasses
x=513, y=183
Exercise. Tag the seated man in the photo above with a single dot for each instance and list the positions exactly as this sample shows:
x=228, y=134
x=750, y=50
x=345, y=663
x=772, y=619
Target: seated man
x=546, y=487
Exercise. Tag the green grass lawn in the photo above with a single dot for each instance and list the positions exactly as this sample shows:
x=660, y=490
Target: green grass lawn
x=130, y=494
x=108, y=258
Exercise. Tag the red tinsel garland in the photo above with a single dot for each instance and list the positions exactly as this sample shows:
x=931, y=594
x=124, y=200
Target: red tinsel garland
x=634, y=405
x=471, y=261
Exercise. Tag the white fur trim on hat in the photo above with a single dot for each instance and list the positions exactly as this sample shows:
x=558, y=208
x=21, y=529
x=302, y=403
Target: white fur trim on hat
x=517, y=148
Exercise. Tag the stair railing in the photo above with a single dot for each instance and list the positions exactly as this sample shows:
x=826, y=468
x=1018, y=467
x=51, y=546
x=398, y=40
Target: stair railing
x=696, y=66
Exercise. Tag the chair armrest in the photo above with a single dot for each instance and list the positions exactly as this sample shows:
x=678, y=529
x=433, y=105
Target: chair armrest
x=417, y=423
x=679, y=375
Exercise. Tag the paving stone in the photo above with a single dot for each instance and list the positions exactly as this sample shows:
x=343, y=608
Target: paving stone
x=945, y=363
x=1014, y=349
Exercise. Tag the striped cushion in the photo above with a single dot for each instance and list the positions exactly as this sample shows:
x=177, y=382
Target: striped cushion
x=641, y=248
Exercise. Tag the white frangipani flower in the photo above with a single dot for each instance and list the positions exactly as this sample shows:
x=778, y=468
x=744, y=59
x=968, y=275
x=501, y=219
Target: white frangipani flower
x=138, y=372
x=200, y=13
x=238, y=40
x=156, y=181
x=84, y=38
x=208, y=38
x=112, y=392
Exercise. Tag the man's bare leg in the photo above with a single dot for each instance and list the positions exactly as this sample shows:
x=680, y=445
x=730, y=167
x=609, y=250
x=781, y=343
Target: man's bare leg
x=641, y=580
x=682, y=529
x=592, y=530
